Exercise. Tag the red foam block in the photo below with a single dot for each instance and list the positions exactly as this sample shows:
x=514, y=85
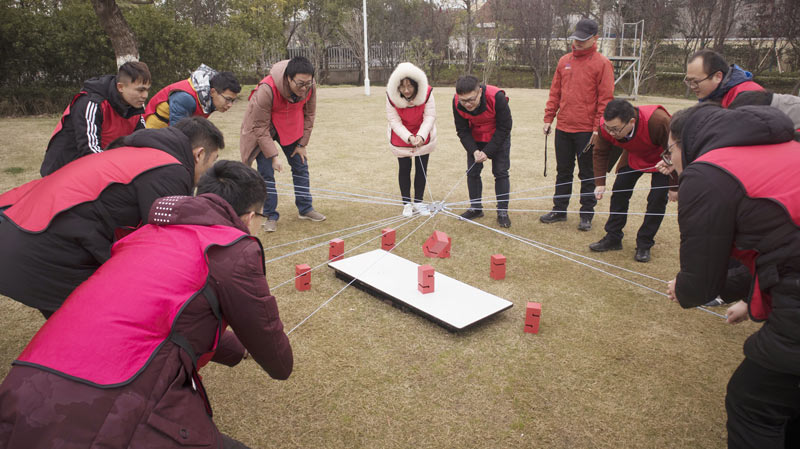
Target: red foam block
x=437, y=245
x=302, y=281
x=387, y=238
x=336, y=249
x=425, y=276
x=498, y=267
x=533, y=312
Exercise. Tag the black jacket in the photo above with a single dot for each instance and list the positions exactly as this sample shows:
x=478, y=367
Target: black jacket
x=42, y=269
x=502, y=127
x=82, y=128
x=714, y=214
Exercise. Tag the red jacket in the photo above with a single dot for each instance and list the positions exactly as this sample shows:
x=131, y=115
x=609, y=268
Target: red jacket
x=159, y=408
x=583, y=84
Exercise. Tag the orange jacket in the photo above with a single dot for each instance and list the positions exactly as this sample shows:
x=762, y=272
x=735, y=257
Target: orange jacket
x=582, y=87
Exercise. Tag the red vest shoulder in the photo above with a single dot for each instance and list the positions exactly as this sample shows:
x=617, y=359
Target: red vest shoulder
x=163, y=96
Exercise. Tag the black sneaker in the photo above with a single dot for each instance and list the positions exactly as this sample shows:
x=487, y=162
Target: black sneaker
x=585, y=224
x=606, y=244
x=471, y=214
x=503, y=220
x=553, y=216
x=642, y=255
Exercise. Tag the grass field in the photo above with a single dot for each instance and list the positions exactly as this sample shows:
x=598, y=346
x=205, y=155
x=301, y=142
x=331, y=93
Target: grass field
x=614, y=365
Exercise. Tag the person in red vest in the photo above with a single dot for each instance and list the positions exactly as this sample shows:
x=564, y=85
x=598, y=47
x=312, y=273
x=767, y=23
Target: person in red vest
x=483, y=124
x=201, y=94
x=710, y=77
x=57, y=230
x=108, y=107
x=738, y=199
x=643, y=133
x=117, y=365
x=582, y=86
x=282, y=108
x=411, y=111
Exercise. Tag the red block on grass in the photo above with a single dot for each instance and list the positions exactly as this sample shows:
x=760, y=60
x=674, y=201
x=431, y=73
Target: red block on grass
x=302, y=281
x=532, y=314
x=498, y=267
x=425, y=274
x=336, y=249
x=387, y=238
x=437, y=245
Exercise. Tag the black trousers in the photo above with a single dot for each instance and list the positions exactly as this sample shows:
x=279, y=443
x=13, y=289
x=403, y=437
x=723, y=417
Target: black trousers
x=620, y=198
x=501, y=162
x=420, y=176
x=763, y=408
x=568, y=149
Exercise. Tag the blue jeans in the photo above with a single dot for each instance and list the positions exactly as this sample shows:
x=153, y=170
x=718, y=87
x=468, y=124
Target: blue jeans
x=302, y=197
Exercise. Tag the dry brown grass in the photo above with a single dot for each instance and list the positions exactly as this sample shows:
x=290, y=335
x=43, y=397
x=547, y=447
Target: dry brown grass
x=613, y=366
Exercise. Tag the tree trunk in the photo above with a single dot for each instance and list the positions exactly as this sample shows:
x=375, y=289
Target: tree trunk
x=117, y=29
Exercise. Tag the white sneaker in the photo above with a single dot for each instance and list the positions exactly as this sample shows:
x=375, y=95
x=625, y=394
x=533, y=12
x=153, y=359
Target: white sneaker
x=422, y=209
x=408, y=210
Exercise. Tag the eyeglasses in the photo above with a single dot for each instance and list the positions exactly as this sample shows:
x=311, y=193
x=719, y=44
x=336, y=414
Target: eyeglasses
x=666, y=156
x=470, y=100
x=615, y=131
x=303, y=85
x=228, y=100
x=694, y=84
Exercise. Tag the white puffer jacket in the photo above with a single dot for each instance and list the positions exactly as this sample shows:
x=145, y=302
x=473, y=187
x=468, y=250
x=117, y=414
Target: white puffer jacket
x=428, y=126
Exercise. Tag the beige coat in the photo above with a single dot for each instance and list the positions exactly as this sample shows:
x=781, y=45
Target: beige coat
x=428, y=127
x=258, y=133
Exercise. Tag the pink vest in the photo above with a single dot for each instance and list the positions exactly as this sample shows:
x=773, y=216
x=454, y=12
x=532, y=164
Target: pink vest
x=287, y=117
x=755, y=168
x=114, y=125
x=731, y=94
x=36, y=203
x=484, y=124
x=113, y=324
x=412, y=119
x=163, y=96
x=643, y=154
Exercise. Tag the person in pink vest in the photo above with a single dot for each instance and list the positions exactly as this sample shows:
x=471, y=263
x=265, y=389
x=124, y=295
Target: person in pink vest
x=737, y=198
x=710, y=77
x=57, y=230
x=282, y=109
x=411, y=111
x=483, y=124
x=204, y=92
x=643, y=133
x=117, y=365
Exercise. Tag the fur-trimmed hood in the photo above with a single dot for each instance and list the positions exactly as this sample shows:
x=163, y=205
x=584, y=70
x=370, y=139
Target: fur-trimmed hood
x=407, y=70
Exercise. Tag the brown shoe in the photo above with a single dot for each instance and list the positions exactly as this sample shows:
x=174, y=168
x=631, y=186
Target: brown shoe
x=312, y=215
x=270, y=226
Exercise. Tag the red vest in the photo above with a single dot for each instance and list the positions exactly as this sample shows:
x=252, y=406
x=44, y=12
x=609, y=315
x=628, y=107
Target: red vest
x=114, y=125
x=163, y=96
x=287, y=117
x=113, y=324
x=755, y=168
x=412, y=119
x=483, y=124
x=643, y=154
x=731, y=94
x=36, y=203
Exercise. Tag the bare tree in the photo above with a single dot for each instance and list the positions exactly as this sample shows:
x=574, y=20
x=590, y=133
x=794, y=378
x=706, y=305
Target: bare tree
x=531, y=22
x=469, y=25
x=119, y=31
x=352, y=36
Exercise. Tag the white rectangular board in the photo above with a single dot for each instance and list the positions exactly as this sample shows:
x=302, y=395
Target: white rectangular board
x=453, y=304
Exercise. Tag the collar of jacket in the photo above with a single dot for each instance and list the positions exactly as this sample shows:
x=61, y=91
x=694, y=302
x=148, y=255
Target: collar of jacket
x=581, y=53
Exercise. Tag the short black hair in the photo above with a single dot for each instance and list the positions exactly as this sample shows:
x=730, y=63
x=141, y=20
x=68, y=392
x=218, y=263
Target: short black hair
x=467, y=84
x=752, y=97
x=681, y=118
x=621, y=109
x=241, y=186
x=713, y=62
x=133, y=71
x=299, y=64
x=223, y=81
x=201, y=133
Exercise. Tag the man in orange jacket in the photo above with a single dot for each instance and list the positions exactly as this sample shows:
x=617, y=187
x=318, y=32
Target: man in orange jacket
x=582, y=86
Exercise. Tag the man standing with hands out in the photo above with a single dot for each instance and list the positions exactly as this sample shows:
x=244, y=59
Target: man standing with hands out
x=582, y=86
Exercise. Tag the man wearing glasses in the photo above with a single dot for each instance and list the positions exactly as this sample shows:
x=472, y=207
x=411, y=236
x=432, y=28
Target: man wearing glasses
x=201, y=94
x=582, y=87
x=643, y=133
x=483, y=124
x=282, y=108
x=711, y=79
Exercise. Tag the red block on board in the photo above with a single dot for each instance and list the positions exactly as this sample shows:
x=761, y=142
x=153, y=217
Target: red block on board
x=437, y=245
x=302, y=281
x=336, y=249
x=532, y=314
x=387, y=238
x=425, y=275
x=498, y=267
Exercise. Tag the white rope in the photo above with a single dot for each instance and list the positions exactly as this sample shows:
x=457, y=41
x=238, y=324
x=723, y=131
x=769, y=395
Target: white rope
x=458, y=182
x=384, y=195
x=382, y=220
x=566, y=211
x=547, y=197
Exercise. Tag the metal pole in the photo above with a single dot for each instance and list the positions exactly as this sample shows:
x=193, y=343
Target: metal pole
x=366, y=51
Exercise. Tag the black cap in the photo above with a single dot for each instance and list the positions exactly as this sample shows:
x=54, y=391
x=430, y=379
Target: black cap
x=585, y=29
